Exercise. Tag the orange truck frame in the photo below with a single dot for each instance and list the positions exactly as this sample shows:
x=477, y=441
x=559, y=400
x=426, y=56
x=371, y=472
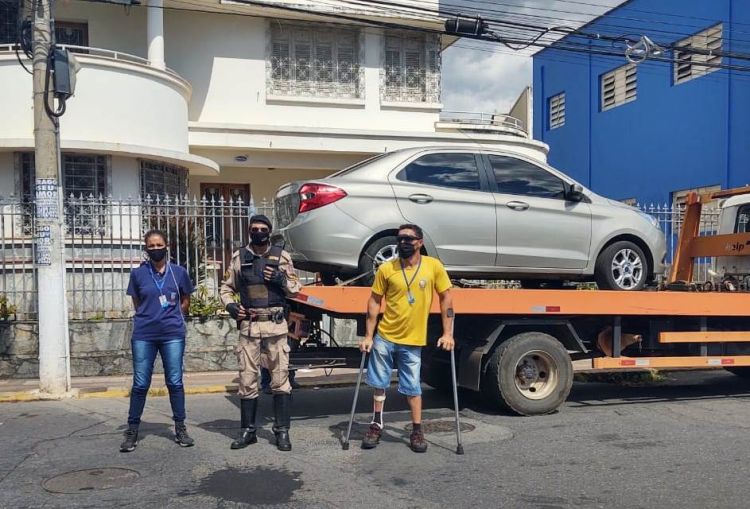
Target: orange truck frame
x=516, y=347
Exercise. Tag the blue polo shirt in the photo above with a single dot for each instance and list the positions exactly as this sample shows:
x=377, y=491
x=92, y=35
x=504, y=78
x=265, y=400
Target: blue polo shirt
x=158, y=318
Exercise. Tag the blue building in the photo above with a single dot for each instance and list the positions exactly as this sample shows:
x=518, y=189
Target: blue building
x=649, y=132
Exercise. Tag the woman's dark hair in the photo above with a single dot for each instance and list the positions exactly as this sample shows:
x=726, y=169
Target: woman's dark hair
x=151, y=233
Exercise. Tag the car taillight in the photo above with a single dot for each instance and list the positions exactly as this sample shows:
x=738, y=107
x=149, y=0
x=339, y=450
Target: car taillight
x=314, y=196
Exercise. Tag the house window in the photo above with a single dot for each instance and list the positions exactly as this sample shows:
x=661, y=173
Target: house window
x=84, y=176
x=161, y=180
x=689, y=65
x=8, y=21
x=557, y=111
x=314, y=61
x=411, y=70
x=72, y=34
x=85, y=186
x=619, y=86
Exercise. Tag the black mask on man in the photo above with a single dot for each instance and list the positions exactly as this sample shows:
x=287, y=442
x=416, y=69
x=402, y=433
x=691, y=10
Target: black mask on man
x=406, y=250
x=157, y=255
x=259, y=238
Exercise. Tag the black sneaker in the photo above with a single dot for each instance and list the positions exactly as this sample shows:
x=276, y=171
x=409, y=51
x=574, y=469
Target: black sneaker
x=417, y=441
x=181, y=435
x=131, y=440
x=372, y=437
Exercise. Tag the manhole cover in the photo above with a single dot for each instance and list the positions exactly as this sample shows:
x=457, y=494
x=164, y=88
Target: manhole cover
x=442, y=426
x=95, y=479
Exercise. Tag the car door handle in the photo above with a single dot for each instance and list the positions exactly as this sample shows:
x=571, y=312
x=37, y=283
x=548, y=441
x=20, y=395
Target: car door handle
x=420, y=198
x=517, y=205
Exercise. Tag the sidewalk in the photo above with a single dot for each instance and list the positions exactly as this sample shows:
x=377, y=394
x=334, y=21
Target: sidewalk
x=16, y=390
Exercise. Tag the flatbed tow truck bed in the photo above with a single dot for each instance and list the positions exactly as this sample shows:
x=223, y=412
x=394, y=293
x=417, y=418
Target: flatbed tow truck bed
x=516, y=346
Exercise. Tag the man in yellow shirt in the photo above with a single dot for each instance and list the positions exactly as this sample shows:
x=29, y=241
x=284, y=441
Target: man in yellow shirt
x=408, y=285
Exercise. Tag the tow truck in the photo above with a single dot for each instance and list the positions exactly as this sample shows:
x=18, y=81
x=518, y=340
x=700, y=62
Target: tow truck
x=516, y=346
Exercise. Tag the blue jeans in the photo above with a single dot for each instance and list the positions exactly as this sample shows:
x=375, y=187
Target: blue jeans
x=144, y=355
x=384, y=356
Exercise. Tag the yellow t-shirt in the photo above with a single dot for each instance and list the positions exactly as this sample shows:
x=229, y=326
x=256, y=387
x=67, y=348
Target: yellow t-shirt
x=402, y=322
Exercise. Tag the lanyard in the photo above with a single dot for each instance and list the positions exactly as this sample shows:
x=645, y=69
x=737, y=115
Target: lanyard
x=410, y=296
x=163, y=279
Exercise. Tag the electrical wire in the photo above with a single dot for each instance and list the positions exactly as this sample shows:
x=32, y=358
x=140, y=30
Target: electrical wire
x=567, y=47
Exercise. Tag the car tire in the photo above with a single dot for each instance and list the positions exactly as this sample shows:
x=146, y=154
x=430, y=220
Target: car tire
x=529, y=374
x=375, y=254
x=622, y=266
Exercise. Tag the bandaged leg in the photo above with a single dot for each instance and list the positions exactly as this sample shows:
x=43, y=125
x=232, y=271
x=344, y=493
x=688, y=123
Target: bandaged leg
x=378, y=403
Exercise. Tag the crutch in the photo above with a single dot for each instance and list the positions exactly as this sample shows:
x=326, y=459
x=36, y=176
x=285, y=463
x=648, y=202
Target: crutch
x=459, y=445
x=345, y=445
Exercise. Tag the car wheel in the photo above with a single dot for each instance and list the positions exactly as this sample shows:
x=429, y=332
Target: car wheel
x=621, y=266
x=382, y=250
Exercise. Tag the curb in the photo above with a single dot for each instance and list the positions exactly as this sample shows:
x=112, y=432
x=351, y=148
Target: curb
x=124, y=392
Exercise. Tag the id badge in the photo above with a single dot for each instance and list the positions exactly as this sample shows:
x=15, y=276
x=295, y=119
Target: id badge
x=163, y=301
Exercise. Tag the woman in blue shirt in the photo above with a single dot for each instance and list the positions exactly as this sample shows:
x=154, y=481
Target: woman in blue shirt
x=161, y=297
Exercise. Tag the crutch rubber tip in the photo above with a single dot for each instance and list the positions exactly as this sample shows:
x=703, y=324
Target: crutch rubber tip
x=460, y=449
x=345, y=446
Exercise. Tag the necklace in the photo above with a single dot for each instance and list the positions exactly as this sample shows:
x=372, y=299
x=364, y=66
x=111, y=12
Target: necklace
x=409, y=296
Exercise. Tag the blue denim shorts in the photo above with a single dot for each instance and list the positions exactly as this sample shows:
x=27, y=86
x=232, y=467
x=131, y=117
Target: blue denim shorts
x=386, y=355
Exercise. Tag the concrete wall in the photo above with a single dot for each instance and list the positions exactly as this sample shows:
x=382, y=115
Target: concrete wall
x=673, y=136
x=101, y=348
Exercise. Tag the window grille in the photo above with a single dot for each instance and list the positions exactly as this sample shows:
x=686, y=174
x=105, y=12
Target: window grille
x=619, y=86
x=411, y=70
x=688, y=65
x=314, y=61
x=557, y=111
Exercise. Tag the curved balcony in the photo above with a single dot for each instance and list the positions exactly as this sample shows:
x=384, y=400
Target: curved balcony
x=122, y=105
x=488, y=123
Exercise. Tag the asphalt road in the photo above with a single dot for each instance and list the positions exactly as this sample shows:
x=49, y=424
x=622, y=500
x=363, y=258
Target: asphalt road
x=678, y=444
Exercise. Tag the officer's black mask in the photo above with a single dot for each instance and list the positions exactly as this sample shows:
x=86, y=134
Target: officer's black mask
x=259, y=236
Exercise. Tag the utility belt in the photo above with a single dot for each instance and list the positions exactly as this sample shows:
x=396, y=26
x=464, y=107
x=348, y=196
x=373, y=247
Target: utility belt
x=277, y=316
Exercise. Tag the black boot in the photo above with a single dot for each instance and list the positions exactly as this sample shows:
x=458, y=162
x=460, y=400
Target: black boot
x=248, y=410
x=281, y=421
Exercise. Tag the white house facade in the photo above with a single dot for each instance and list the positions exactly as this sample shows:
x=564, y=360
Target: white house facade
x=172, y=98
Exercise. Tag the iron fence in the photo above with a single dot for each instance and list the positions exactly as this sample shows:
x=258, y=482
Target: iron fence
x=104, y=240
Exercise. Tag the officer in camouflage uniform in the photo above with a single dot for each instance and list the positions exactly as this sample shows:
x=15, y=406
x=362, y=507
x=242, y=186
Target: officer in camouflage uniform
x=263, y=275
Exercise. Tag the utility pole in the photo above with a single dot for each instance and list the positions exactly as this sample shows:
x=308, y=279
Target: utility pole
x=52, y=309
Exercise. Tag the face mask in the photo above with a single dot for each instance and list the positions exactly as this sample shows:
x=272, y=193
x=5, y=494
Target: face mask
x=259, y=238
x=157, y=255
x=406, y=249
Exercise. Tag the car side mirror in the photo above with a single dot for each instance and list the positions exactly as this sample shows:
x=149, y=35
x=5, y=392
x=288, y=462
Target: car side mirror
x=575, y=193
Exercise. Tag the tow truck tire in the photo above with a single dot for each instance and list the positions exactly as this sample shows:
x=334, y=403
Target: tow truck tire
x=740, y=371
x=528, y=374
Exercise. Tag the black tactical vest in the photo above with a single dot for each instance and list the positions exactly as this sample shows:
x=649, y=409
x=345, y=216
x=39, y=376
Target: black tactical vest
x=254, y=291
